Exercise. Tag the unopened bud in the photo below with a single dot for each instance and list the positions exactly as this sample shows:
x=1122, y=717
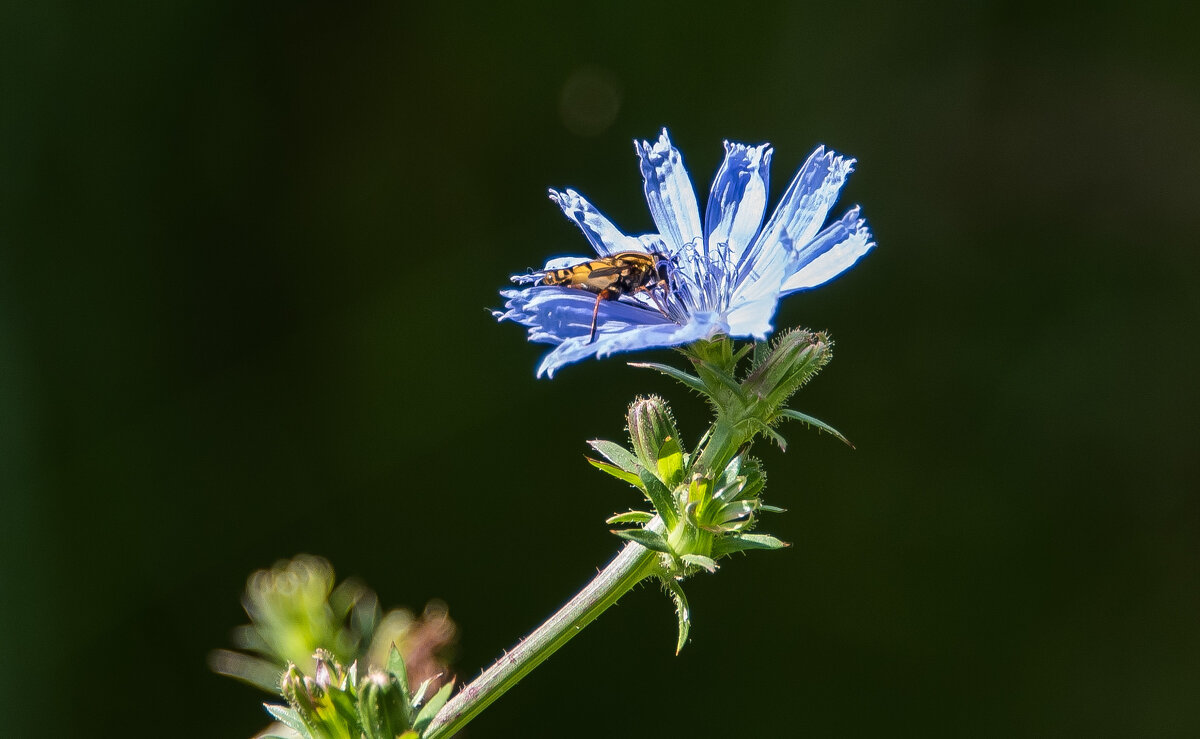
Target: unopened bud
x=794, y=358
x=650, y=426
x=383, y=706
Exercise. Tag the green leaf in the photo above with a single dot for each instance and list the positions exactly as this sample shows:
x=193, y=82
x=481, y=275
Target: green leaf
x=769, y=432
x=670, y=463
x=649, y=539
x=682, y=612
x=419, y=695
x=736, y=510
x=693, y=382
x=770, y=508
x=660, y=497
x=383, y=707
x=615, y=471
x=710, y=372
x=617, y=454
x=744, y=542
x=431, y=708
x=731, y=472
x=756, y=479
x=289, y=718
x=730, y=491
x=816, y=423
x=261, y=673
x=699, y=560
x=397, y=669
x=741, y=353
x=346, y=706
x=631, y=517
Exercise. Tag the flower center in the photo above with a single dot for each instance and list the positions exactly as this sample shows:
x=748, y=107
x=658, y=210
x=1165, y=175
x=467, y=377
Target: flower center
x=701, y=281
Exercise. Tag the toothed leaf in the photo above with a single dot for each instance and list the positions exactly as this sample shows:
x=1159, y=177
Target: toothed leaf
x=289, y=718
x=683, y=613
x=419, y=694
x=649, y=539
x=640, y=517
x=615, y=471
x=660, y=497
x=397, y=669
x=670, y=463
x=736, y=510
x=713, y=376
x=430, y=709
x=816, y=423
x=617, y=454
x=699, y=560
x=691, y=381
x=744, y=542
x=740, y=354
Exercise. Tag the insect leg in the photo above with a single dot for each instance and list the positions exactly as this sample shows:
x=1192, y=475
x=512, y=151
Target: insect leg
x=658, y=300
x=606, y=294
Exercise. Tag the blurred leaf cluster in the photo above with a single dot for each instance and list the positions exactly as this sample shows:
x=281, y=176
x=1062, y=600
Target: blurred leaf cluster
x=305, y=628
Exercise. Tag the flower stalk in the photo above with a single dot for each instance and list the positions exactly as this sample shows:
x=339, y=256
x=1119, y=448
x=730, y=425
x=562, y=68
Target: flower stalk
x=632, y=565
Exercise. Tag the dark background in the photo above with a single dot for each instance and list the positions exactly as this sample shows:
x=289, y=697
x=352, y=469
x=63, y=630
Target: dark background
x=245, y=251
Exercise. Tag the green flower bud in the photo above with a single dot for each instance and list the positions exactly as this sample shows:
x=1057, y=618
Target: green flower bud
x=794, y=358
x=295, y=689
x=383, y=705
x=650, y=428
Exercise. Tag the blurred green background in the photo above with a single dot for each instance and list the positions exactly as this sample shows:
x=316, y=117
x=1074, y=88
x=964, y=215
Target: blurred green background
x=245, y=251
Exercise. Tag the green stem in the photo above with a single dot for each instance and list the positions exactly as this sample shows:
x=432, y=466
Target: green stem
x=723, y=443
x=634, y=564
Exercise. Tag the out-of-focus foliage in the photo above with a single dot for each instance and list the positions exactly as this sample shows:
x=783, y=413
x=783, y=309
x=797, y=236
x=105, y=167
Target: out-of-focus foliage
x=303, y=623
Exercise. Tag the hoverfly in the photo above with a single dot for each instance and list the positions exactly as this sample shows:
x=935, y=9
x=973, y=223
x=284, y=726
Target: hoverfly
x=623, y=273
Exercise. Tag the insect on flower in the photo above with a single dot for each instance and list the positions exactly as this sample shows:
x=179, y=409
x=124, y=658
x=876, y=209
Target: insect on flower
x=702, y=272
x=623, y=273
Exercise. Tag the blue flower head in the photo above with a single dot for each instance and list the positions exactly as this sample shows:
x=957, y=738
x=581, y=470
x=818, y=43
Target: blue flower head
x=725, y=274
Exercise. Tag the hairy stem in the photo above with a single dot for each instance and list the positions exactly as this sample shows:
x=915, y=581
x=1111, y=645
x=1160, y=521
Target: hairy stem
x=631, y=566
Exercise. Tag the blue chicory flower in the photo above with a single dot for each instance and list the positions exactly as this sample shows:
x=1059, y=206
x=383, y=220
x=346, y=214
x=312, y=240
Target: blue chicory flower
x=725, y=277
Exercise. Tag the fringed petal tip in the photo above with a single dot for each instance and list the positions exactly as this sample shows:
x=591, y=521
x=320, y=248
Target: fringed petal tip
x=832, y=252
x=669, y=192
x=659, y=149
x=746, y=155
x=600, y=232
x=832, y=160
